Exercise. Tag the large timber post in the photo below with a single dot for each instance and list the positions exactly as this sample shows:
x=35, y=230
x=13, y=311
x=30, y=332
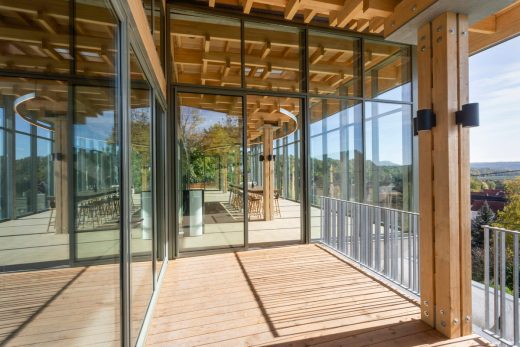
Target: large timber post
x=268, y=179
x=444, y=177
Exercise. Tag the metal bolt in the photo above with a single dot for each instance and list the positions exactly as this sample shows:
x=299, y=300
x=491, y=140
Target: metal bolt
x=441, y=311
x=426, y=314
x=468, y=318
x=439, y=29
x=443, y=324
x=423, y=49
x=455, y=321
x=414, y=8
x=425, y=301
x=463, y=33
x=451, y=31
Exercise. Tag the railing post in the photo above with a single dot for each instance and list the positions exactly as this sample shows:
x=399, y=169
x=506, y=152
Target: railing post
x=486, y=276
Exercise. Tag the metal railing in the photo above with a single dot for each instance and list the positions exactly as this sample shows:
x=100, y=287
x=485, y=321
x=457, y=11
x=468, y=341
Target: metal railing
x=501, y=277
x=381, y=239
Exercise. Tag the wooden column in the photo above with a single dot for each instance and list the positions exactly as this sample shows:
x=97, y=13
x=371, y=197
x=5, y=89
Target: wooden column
x=444, y=177
x=60, y=193
x=268, y=179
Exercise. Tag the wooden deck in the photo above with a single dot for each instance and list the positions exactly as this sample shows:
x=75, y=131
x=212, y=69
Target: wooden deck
x=290, y=296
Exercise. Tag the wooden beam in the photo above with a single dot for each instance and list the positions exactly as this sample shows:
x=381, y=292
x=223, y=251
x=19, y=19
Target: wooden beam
x=507, y=26
x=376, y=25
x=404, y=12
x=211, y=3
x=268, y=184
x=266, y=50
x=291, y=9
x=247, y=4
x=427, y=239
x=446, y=177
x=317, y=55
x=308, y=15
x=379, y=8
x=350, y=11
x=464, y=180
x=485, y=26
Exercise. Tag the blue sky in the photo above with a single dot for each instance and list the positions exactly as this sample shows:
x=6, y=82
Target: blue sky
x=494, y=82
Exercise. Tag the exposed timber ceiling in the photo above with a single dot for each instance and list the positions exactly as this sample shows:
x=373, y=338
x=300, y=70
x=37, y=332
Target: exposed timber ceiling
x=491, y=21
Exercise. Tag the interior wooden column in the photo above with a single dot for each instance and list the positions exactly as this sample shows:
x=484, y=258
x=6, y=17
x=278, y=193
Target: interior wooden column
x=61, y=178
x=268, y=178
x=444, y=177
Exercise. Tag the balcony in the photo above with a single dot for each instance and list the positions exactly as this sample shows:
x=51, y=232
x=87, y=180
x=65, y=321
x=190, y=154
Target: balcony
x=298, y=295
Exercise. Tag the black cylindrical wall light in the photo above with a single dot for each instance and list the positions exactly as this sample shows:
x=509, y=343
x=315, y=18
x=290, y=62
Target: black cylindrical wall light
x=425, y=120
x=469, y=116
x=261, y=158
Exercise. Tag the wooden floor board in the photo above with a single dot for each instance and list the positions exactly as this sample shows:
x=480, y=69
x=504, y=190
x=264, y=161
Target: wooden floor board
x=287, y=296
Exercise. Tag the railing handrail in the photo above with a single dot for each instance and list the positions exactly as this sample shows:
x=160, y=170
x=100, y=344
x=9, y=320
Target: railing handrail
x=370, y=205
x=381, y=239
x=501, y=229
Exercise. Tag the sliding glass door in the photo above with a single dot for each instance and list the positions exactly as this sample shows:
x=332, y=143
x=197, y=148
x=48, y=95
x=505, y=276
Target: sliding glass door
x=210, y=195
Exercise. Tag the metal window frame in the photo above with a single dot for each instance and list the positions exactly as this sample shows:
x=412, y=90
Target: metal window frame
x=304, y=95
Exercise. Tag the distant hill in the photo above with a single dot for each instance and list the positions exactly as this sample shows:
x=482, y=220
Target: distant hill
x=497, y=166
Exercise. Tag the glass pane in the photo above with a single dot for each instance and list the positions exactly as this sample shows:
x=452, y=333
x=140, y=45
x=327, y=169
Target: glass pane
x=96, y=173
x=44, y=174
x=336, y=150
x=274, y=169
x=334, y=64
x=32, y=230
x=158, y=30
x=24, y=203
x=141, y=240
x=37, y=39
x=210, y=126
x=206, y=50
x=96, y=42
x=388, y=158
x=272, y=60
x=388, y=71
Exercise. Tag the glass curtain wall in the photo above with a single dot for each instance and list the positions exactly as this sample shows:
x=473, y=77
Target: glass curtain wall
x=60, y=187
x=358, y=100
x=142, y=197
x=210, y=129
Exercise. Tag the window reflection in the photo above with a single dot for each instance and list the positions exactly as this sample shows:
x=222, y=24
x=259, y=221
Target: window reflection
x=336, y=153
x=272, y=60
x=388, y=71
x=334, y=64
x=141, y=213
x=206, y=50
x=388, y=159
x=210, y=195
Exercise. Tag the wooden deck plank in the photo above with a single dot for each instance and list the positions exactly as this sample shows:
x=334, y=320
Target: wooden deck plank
x=297, y=296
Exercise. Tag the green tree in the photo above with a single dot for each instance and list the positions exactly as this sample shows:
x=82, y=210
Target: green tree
x=509, y=217
x=485, y=216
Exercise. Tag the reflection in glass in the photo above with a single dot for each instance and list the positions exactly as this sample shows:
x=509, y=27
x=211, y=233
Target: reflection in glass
x=206, y=50
x=388, y=158
x=211, y=212
x=40, y=42
x=274, y=169
x=272, y=60
x=388, y=71
x=336, y=149
x=96, y=43
x=141, y=214
x=334, y=64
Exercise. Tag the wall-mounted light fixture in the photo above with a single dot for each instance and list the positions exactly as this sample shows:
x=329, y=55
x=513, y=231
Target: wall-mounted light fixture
x=469, y=116
x=57, y=156
x=261, y=158
x=425, y=120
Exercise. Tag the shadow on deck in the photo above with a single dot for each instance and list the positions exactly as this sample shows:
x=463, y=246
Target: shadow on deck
x=290, y=296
